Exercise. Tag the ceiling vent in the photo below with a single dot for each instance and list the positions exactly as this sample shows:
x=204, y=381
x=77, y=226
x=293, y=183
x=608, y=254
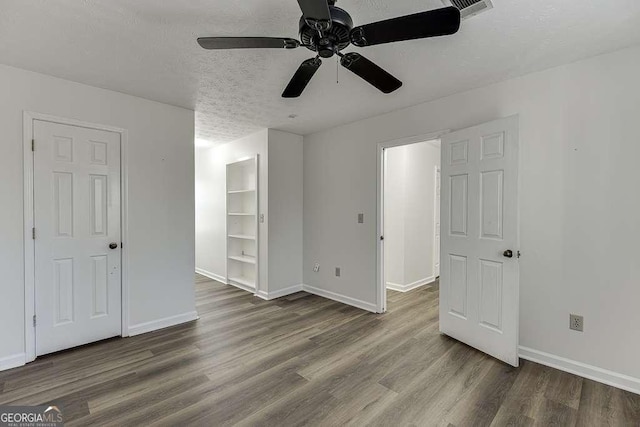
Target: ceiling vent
x=469, y=8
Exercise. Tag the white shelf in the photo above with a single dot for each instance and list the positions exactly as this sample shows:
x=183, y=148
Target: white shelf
x=243, y=258
x=250, y=190
x=242, y=224
x=242, y=236
x=243, y=281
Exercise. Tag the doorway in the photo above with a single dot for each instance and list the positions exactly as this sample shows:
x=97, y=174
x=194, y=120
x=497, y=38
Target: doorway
x=410, y=215
x=74, y=234
x=479, y=239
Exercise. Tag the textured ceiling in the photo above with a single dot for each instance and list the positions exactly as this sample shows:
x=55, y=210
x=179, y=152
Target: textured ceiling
x=148, y=48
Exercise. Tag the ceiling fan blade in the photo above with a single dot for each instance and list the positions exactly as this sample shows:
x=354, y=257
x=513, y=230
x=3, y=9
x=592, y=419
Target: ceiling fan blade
x=315, y=10
x=247, y=43
x=370, y=72
x=301, y=78
x=433, y=23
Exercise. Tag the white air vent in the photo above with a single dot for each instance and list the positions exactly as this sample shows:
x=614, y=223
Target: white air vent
x=469, y=8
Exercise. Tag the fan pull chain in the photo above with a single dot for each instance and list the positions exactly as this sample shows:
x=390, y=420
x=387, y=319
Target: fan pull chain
x=337, y=71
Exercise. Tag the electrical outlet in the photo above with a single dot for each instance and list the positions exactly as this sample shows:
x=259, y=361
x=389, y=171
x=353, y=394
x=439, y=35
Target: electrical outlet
x=337, y=271
x=576, y=323
x=316, y=268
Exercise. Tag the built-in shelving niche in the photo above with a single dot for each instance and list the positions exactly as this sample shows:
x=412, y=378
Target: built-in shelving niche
x=242, y=224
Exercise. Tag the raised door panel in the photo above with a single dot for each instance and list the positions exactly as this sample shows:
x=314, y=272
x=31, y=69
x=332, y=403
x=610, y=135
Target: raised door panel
x=99, y=286
x=63, y=204
x=63, y=149
x=98, y=205
x=459, y=153
x=491, y=204
x=492, y=146
x=99, y=152
x=459, y=205
x=458, y=285
x=63, y=297
x=491, y=295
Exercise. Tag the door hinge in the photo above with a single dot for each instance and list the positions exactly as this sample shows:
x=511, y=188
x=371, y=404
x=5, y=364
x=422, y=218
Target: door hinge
x=34, y=320
x=33, y=233
x=33, y=145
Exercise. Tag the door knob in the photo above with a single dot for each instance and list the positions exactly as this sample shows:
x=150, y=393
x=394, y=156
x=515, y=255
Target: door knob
x=508, y=253
x=113, y=245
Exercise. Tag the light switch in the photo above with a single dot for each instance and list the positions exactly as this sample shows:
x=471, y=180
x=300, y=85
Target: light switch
x=360, y=218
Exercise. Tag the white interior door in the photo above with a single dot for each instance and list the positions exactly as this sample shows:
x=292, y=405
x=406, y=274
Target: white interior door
x=436, y=225
x=479, y=281
x=77, y=218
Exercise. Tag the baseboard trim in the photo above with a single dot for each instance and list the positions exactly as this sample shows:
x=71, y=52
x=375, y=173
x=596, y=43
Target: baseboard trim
x=154, y=325
x=13, y=361
x=280, y=292
x=340, y=298
x=410, y=286
x=211, y=275
x=594, y=373
x=242, y=287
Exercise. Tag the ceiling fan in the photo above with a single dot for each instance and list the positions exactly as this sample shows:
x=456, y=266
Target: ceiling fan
x=327, y=30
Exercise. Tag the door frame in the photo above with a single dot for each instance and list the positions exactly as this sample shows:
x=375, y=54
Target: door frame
x=436, y=209
x=381, y=292
x=29, y=242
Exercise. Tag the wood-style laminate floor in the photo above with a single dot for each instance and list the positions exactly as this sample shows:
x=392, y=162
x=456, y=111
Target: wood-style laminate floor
x=306, y=360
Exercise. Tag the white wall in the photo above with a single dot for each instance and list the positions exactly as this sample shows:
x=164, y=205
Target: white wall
x=394, y=215
x=579, y=206
x=422, y=160
x=211, y=200
x=161, y=207
x=409, y=211
x=285, y=210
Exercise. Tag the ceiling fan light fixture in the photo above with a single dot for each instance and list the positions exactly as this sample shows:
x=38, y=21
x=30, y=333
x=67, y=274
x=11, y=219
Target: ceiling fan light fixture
x=327, y=29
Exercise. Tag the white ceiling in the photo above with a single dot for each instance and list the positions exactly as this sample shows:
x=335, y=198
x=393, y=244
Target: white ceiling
x=148, y=48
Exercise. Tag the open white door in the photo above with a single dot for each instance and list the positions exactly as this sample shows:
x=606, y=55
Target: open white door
x=479, y=278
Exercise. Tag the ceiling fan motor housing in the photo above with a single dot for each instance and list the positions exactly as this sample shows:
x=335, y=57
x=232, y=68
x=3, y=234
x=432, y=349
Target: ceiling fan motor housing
x=335, y=39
